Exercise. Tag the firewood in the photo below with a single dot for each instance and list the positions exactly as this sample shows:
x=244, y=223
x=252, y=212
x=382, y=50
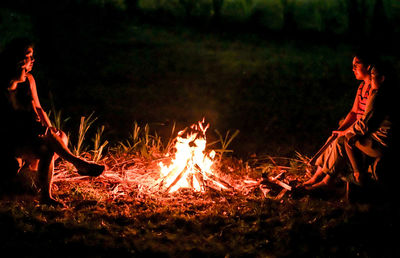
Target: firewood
x=189, y=179
x=176, y=179
x=200, y=180
x=264, y=190
x=281, y=194
x=282, y=184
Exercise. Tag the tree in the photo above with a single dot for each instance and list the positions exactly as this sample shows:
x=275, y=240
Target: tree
x=289, y=23
x=132, y=5
x=380, y=27
x=356, y=11
x=188, y=6
x=217, y=7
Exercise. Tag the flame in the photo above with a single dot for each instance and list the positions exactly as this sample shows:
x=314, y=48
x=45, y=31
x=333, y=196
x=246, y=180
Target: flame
x=192, y=165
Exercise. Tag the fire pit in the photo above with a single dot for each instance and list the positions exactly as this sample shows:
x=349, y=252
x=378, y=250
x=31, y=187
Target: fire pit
x=188, y=167
x=192, y=165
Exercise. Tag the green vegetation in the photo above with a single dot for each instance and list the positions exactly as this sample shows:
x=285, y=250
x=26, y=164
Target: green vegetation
x=166, y=64
x=333, y=16
x=84, y=126
x=104, y=217
x=225, y=141
x=282, y=94
x=98, y=144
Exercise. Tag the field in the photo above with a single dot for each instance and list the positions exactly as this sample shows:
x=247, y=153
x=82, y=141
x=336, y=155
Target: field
x=116, y=215
x=283, y=92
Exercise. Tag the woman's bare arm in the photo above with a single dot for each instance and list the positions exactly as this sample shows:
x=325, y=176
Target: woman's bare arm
x=44, y=119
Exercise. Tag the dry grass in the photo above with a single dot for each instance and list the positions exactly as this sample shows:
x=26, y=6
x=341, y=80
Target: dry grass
x=122, y=213
x=129, y=176
x=125, y=213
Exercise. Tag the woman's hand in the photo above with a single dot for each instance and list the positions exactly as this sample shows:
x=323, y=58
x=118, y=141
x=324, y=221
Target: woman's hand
x=357, y=176
x=338, y=133
x=50, y=131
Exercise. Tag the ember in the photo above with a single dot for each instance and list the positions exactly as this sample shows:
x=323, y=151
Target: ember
x=192, y=165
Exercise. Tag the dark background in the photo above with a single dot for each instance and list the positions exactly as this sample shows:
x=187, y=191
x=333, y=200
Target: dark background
x=280, y=71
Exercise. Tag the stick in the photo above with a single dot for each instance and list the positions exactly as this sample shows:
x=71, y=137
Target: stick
x=176, y=179
x=323, y=148
x=280, y=195
x=219, y=180
x=200, y=179
x=280, y=183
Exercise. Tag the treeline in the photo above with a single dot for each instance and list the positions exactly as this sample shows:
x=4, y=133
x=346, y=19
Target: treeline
x=332, y=16
x=355, y=18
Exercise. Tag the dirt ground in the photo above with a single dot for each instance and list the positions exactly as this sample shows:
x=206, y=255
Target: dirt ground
x=114, y=215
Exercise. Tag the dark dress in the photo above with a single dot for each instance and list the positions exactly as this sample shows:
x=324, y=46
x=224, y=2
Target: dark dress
x=21, y=126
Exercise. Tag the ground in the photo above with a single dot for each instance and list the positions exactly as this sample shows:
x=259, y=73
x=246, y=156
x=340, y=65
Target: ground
x=282, y=93
x=113, y=215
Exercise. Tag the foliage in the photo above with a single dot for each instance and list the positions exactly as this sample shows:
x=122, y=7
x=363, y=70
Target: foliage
x=225, y=141
x=57, y=119
x=14, y=24
x=142, y=142
x=330, y=16
x=103, y=221
x=98, y=145
x=84, y=126
x=117, y=4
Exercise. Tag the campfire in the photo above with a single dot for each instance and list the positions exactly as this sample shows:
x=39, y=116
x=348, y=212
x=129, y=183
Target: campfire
x=189, y=165
x=192, y=165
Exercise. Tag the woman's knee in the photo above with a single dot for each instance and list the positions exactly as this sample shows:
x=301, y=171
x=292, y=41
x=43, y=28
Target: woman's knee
x=64, y=137
x=56, y=138
x=367, y=148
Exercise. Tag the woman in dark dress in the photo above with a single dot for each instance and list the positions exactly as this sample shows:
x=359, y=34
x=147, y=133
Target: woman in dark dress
x=26, y=133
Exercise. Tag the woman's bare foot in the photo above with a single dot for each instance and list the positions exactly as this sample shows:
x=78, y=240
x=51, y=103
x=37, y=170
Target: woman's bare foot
x=321, y=184
x=90, y=169
x=317, y=175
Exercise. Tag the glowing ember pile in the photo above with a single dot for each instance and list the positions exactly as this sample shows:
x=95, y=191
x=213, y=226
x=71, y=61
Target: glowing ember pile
x=192, y=166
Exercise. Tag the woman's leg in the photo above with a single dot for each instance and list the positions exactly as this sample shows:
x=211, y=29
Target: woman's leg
x=328, y=163
x=367, y=147
x=363, y=146
x=324, y=182
x=45, y=175
x=317, y=175
x=57, y=144
x=31, y=161
x=356, y=161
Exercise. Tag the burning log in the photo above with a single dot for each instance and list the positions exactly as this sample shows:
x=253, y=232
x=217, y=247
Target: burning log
x=180, y=175
x=192, y=167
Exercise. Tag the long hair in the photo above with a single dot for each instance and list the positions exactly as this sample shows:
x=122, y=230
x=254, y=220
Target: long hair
x=11, y=57
x=367, y=56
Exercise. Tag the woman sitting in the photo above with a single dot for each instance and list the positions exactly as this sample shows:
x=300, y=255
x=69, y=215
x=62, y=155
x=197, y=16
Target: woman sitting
x=373, y=134
x=333, y=160
x=26, y=132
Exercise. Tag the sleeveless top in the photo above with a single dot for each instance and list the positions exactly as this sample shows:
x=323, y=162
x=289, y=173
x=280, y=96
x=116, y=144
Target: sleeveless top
x=21, y=121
